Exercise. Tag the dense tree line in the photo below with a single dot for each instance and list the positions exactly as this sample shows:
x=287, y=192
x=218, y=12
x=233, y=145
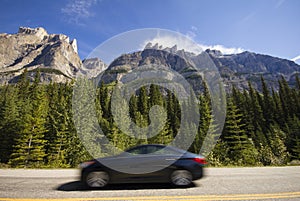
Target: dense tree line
x=37, y=128
x=260, y=128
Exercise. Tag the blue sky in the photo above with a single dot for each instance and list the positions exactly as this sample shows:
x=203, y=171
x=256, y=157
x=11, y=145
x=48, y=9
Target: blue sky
x=263, y=26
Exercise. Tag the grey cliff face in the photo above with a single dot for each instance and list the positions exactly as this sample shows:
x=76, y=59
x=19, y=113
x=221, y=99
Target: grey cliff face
x=238, y=69
x=128, y=62
x=235, y=69
x=92, y=67
x=53, y=54
x=162, y=61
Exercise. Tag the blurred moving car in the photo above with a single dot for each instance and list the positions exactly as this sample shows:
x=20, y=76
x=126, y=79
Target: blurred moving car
x=150, y=163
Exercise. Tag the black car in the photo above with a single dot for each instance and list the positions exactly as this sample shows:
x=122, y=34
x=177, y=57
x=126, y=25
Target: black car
x=144, y=164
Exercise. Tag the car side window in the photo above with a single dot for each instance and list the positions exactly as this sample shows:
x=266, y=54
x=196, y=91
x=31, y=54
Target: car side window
x=166, y=151
x=153, y=150
x=159, y=150
x=138, y=150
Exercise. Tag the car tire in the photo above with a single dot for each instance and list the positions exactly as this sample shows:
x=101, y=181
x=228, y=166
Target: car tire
x=96, y=179
x=181, y=178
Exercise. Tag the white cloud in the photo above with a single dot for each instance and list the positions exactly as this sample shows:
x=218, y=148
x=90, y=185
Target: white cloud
x=224, y=50
x=77, y=10
x=189, y=45
x=296, y=59
x=192, y=33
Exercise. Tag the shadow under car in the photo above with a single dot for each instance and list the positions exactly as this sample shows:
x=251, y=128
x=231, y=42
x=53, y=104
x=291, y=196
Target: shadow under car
x=79, y=186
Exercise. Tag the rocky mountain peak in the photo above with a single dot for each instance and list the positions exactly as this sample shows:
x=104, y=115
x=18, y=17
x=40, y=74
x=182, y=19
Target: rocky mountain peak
x=33, y=48
x=215, y=53
x=42, y=34
x=92, y=67
x=74, y=45
x=39, y=32
x=157, y=46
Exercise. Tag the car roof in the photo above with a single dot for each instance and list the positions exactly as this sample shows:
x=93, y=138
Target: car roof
x=158, y=145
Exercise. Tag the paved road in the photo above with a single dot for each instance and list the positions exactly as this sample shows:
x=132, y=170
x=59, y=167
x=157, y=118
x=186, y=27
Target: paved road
x=265, y=183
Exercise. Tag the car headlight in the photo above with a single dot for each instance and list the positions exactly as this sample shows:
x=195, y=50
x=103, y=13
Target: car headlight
x=86, y=164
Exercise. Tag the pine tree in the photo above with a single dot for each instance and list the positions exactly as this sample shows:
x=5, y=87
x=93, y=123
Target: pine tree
x=143, y=101
x=75, y=150
x=133, y=107
x=292, y=130
x=159, y=127
x=247, y=111
x=277, y=138
x=141, y=122
x=159, y=122
x=105, y=101
x=173, y=112
x=155, y=96
x=9, y=121
x=123, y=128
x=295, y=155
x=285, y=97
x=204, y=123
x=86, y=120
x=30, y=143
x=297, y=82
x=237, y=98
x=241, y=149
x=57, y=126
x=248, y=107
x=268, y=103
x=23, y=85
x=278, y=113
x=295, y=97
x=256, y=117
x=219, y=155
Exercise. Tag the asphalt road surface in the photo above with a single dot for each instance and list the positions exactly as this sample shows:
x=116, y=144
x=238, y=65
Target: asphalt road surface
x=262, y=183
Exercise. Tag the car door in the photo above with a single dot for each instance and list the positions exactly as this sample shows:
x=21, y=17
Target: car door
x=152, y=163
x=128, y=166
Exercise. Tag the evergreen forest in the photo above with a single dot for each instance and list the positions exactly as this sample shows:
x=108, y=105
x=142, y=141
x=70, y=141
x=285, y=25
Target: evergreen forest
x=37, y=126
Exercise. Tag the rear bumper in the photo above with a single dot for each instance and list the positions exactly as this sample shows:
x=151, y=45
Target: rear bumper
x=198, y=174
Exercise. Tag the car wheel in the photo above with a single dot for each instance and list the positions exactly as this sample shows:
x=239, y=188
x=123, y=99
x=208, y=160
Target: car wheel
x=97, y=179
x=181, y=178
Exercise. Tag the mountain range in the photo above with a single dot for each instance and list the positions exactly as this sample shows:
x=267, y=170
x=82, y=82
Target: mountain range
x=57, y=58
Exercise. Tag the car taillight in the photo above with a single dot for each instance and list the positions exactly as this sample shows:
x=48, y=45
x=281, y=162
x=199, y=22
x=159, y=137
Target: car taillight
x=202, y=161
